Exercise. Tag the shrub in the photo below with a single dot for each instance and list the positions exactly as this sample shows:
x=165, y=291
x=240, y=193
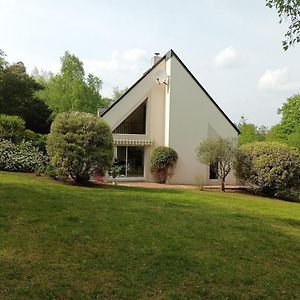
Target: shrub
x=23, y=157
x=163, y=162
x=12, y=128
x=269, y=167
x=37, y=139
x=78, y=144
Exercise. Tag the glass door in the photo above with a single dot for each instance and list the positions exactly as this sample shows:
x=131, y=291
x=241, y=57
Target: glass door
x=131, y=161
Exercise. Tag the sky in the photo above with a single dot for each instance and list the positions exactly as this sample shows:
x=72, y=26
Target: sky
x=233, y=47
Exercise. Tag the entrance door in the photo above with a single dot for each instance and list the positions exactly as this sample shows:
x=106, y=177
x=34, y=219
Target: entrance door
x=131, y=161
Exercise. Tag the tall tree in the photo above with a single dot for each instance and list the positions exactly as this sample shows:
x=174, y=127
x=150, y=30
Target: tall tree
x=288, y=10
x=288, y=129
x=250, y=133
x=71, y=90
x=18, y=96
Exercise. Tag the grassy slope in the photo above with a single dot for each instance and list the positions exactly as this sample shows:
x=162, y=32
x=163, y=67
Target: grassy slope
x=63, y=242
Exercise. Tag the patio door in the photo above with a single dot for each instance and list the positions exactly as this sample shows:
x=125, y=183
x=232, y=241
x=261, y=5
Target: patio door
x=131, y=160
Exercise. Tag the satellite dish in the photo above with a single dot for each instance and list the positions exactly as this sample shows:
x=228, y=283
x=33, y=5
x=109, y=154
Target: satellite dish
x=161, y=77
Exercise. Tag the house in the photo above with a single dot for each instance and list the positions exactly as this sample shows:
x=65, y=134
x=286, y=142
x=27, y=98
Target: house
x=167, y=106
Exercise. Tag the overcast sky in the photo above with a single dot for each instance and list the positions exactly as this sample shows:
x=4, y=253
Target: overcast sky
x=233, y=47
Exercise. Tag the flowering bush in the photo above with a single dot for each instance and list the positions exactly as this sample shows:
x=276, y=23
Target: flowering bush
x=23, y=157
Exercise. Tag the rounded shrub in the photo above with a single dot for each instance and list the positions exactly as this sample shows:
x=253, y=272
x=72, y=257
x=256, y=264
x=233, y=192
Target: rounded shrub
x=269, y=167
x=163, y=162
x=79, y=144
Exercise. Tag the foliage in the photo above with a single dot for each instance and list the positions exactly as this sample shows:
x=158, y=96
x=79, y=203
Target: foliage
x=288, y=10
x=38, y=140
x=23, y=157
x=287, y=131
x=18, y=96
x=269, y=167
x=117, y=93
x=290, y=112
x=163, y=161
x=115, y=171
x=50, y=171
x=220, y=151
x=12, y=128
x=70, y=90
x=250, y=133
x=79, y=144
x=293, y=139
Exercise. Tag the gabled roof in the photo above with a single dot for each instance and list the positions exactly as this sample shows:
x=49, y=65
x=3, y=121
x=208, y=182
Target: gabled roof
x=167, y=56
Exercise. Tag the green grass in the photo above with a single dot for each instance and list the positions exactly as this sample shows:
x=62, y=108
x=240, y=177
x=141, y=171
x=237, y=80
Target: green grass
x=66, y=242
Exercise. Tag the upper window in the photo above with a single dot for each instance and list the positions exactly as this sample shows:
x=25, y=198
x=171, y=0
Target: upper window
x=135, y=123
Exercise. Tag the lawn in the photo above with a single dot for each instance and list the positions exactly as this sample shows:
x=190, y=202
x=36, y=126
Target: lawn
x=69, y=242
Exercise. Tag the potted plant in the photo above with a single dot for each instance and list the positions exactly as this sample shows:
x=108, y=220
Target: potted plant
x=114, y=173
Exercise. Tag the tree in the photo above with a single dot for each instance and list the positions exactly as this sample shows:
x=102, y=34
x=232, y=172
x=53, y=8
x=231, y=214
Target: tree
x=163, y=161
x=287, y=131
x=80, y=144
x=18, y=96
x=290, y=11
x=117, y=93
x=290, y=112
x=221, y=152
x=250, y=133
x=70, y=90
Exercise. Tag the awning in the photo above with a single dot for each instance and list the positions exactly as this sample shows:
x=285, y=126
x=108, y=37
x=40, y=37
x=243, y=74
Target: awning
x=133, y=142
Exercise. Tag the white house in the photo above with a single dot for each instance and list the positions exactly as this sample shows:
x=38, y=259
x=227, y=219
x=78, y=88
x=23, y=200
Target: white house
x=167, y=106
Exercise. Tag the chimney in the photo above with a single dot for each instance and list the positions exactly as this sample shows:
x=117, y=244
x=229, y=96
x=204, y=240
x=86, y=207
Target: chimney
x=155, y=59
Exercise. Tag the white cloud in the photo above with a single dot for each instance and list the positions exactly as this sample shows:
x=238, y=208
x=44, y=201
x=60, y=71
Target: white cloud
x=228, y=57
x=134, y=54
x=277, y=80
x=121, y=68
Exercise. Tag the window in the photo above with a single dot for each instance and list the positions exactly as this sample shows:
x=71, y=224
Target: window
x=135, y=123
x=213, y=168
x=131, y=161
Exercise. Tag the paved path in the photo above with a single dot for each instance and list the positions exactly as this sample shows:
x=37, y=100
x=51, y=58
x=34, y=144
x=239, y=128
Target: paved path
x=153, y=185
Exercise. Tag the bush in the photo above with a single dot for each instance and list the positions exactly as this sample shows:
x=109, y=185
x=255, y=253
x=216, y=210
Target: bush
x=163, y=162
x=37, y=139
x=271, y=168
x=78, y=144
x=23, y=157
x=12, y=128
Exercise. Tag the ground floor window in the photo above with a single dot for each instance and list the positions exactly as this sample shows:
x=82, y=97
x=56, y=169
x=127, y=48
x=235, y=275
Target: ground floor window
x=131, y=160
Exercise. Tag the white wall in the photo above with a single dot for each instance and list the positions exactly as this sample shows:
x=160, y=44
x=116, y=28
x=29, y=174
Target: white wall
x=146, y=88
x=193, y=117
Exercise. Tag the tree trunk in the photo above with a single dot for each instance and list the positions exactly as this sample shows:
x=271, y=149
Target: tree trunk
x=223, y=185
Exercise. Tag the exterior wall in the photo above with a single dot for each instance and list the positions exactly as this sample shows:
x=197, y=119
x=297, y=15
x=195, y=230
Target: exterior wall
x=193, y=117
x=155, y=119
x=179, y=115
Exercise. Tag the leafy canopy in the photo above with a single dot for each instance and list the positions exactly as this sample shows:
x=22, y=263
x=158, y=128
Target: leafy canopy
x=70, y=90
x=18, y=96
x=288, y=10
x=250, y=133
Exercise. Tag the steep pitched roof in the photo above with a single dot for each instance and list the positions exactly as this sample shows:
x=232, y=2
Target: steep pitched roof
x=167, y=56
